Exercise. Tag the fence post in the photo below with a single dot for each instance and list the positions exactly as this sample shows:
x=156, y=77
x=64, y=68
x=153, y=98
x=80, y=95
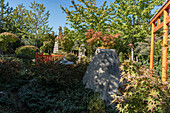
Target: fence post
x=45, y=58
x=53, y=58
x=42, y=58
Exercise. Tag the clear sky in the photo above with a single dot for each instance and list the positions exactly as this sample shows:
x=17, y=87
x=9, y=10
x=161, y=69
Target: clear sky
x=57, y=18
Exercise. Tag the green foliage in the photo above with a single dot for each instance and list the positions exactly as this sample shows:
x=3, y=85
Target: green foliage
x=31, y=24
x=13, y=74
x=67, y=42
x=5, y=10
x=6, y=38
x=121, y=59
x=49, y=87
x=86, y=16
x=56, y=88
x=85, y=60
x=131, y=20
x=38, y=19
x=16, y=20
x=58, y=73
x=68, y=56
x=60, y=52
x=48, y=99
x=96, y=105
x=48, y=42
x=143, y=93
x=9, y=70
x=45, y=54
x=47, y=47
x=27, y=50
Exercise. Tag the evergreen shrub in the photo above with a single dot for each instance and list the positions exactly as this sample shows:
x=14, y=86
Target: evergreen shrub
x=28, y=51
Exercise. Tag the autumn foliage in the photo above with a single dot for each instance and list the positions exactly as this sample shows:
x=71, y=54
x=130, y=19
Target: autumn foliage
x=106, y=40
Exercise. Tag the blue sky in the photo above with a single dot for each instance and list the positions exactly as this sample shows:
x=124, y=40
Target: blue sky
x=57, y=18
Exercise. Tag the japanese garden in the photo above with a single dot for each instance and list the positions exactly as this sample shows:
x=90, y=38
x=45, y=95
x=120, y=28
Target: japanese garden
x=108, y=58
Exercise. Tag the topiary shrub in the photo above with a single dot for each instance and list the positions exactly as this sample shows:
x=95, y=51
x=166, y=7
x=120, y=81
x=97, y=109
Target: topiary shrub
x=6, y=38
x=27, y=50
x=24, y=56
x=143, y=93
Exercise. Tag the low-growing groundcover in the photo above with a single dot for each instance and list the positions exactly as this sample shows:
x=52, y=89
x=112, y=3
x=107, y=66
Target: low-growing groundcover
x=46, y=88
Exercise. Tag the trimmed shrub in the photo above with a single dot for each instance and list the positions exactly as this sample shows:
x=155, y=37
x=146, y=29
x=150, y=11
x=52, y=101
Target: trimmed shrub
x=27, y=50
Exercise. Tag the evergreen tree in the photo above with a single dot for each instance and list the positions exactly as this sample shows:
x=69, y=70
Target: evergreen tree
x=38, y=20
x=30, y=24
x=48, y=42
x=17, y=20
x=5, y=10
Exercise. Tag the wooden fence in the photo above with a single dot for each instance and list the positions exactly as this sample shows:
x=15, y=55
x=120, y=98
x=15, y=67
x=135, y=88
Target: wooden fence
x=46, y=58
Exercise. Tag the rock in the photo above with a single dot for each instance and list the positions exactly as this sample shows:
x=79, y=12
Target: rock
x=66, y=62
x=103, y=74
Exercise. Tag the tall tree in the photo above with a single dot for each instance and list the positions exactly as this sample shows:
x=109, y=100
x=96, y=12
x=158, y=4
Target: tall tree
x=17, y=18
x=5, y=10
x=48, y=42
x=88, y=16
x=131, y=19
x=38, y=20
x=31, y=24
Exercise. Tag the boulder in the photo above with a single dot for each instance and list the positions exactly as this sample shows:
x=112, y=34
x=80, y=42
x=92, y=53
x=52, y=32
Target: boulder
x=103, y=74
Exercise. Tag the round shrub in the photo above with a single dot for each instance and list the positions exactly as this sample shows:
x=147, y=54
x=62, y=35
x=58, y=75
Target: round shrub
x=24, y=56
x=27, y=50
